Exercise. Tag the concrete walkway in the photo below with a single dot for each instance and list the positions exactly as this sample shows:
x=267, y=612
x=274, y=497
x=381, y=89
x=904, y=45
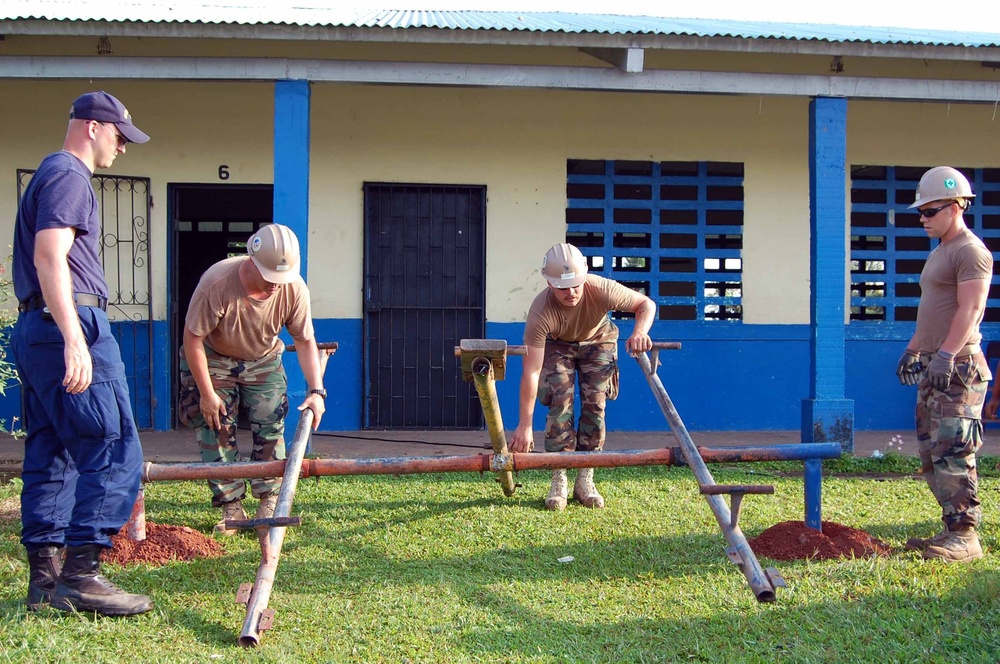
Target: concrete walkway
x=179, y=445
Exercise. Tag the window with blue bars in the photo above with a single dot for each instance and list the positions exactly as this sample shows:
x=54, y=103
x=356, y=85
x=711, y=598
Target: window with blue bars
x=889, y=245
x=672, y=230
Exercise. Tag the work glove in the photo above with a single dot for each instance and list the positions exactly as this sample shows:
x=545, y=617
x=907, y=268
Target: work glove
x=908, y=368
x=940, y=370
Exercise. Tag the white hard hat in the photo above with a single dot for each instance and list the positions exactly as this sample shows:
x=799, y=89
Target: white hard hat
x=274, y=249
x=564, y=266
x=942, y=183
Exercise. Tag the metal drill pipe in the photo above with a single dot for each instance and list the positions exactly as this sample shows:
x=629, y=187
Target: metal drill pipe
x=271, y=543
x=482, y=376
x=759, y=583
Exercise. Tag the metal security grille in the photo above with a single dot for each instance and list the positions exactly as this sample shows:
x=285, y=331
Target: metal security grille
x=424, y=292
x=889, y=245
x=672, y=230
x=124, y=207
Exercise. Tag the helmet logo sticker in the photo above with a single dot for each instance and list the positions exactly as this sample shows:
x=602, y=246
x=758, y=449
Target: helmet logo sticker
x=949, y=183
x=255, y=245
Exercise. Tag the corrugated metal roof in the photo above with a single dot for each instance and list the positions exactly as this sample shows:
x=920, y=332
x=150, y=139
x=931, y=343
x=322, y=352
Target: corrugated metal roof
x=248, y=14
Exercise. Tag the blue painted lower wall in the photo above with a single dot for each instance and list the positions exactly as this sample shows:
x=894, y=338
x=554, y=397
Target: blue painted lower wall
x=726, y=377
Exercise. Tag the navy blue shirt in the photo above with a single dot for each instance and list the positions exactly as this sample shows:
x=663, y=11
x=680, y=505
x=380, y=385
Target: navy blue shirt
x=59, y=195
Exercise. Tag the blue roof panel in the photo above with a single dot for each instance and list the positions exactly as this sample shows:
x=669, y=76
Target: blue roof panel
x=546, y=22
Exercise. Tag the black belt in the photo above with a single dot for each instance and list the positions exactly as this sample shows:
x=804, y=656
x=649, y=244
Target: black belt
x=81, y=299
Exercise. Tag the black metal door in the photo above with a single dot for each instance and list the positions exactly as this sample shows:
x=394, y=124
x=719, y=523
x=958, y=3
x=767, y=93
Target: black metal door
x=125, y=238
x=425, y=262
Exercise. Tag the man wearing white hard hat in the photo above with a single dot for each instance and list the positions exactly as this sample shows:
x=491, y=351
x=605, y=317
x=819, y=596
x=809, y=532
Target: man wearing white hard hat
x=231, y=358
x=945, y=361
x=568, y=333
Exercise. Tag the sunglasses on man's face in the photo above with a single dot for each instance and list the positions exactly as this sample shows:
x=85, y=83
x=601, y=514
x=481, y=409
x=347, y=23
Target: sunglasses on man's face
x=120, y=139
x=931, y=212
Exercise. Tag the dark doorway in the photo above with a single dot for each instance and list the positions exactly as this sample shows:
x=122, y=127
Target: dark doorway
x=425, y=291
x=208, y=223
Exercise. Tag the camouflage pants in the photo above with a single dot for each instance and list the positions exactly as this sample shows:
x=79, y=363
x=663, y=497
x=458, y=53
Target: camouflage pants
x=950, y=432
x=259, y=388
x=597, y=367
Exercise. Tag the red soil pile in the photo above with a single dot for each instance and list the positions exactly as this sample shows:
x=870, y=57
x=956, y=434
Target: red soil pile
x=792, y=540
x=162, y=545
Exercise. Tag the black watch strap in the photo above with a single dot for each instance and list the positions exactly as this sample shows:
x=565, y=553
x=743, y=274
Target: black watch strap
x=321, y=392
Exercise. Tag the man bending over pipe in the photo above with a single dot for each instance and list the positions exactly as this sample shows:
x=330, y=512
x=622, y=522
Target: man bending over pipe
x=232, y=357
x=568, y=333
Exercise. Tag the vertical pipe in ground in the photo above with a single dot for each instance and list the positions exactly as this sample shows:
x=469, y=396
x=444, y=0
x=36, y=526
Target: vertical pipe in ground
x=136, y=526
x=813, y=477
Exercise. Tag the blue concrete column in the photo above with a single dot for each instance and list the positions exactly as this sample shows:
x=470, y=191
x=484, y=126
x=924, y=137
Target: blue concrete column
x=826, y=415
x=291, y=203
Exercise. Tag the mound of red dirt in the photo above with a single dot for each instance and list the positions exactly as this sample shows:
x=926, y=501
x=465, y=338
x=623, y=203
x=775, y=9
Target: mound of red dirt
x=792, y=540
x=162, y=545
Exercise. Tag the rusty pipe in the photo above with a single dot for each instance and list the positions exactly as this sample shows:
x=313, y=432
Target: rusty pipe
x=479, y=463
x=135, y=528
x=740, y=551
x=275, y=537
x=330, y=347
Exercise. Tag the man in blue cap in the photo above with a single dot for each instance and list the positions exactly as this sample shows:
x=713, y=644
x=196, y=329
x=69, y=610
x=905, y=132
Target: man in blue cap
x=82, y=457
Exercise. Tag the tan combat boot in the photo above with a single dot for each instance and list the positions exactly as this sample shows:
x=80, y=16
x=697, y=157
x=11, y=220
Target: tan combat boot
x=585, y=491
x=556, y=499
x=921, y=543
x=958, y=547
x=231, y=511
x=266, y=508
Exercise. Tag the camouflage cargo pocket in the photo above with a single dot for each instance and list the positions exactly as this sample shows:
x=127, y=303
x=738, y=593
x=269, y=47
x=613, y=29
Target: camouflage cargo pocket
x=188, y=404
x=544, y=392
x=613, y=384
x=972, y=370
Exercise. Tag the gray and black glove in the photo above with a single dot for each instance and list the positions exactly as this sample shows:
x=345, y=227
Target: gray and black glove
x=940, y=370
x=908, y=368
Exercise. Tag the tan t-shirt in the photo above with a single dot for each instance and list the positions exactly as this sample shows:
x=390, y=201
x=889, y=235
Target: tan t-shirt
x=238, y=326
x=587, y=322
x=962, y=259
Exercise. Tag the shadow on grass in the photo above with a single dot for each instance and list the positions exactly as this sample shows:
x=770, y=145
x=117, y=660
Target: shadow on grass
x=963, y=626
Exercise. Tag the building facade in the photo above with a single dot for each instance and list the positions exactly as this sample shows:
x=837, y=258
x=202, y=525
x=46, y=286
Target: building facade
x=751, y=178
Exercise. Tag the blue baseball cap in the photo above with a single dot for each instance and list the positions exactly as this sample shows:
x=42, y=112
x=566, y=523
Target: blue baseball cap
x=102, y=107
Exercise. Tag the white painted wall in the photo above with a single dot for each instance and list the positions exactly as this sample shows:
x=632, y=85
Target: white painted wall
x=929, y=134
x=516, y=142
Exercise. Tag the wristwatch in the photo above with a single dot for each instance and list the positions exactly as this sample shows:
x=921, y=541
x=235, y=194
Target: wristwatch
x=321, y=392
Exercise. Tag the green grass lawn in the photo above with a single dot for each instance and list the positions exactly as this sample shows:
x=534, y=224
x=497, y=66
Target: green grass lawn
x=444, y=568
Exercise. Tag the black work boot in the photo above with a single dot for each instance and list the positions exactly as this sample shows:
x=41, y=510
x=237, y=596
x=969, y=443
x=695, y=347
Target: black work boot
x=44, y=567
x=82, y=587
